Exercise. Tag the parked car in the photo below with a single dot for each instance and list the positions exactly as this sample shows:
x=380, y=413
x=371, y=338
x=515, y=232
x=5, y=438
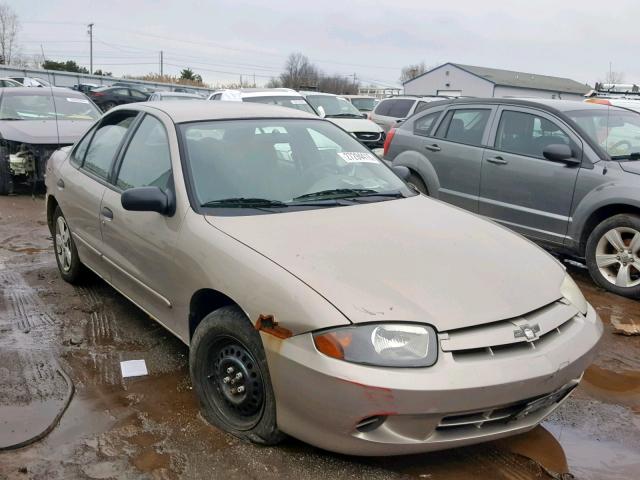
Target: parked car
x=390, y=112
x=147, y=89
x=562, y=173
x=8, y=82
x=108, y=97
x=345, y=115
x=361, y=102
x=157, y=96
x=85, y=87
x=284, y=97
x=31, y=81
x=35, y=122
x=318, y=294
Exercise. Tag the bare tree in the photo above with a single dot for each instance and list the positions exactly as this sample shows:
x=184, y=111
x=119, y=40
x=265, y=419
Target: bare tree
x=614, y=77
x=299, y=72
x=412, y=71
x=9, y=27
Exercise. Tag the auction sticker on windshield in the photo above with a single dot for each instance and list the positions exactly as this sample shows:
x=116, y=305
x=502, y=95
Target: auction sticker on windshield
x=298, y=102
x=77, y=100
x=358, y=157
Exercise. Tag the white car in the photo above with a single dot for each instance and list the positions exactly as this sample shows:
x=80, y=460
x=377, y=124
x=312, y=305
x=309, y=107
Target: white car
x=284, y=97
x=31, y=81
x=342, y=112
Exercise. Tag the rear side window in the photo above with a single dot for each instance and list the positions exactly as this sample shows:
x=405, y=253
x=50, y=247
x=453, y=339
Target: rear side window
x=464, y=126
x=527, y=134
x=421, y=106
x=424, y=124
x=147, y=161
x=383, y=107
x=400, y=108
x=105, y=144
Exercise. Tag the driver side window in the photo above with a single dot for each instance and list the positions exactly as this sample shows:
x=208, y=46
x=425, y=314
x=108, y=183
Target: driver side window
x=147, y=161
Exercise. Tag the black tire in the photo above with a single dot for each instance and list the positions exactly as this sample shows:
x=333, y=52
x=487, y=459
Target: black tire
x=417, y=182
x=628, y=223
x=71, y=269
x=6, y=185
x=226, y=339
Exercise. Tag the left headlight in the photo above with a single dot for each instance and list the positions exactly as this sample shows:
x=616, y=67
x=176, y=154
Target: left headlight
x=571, y=292
x=382, y=345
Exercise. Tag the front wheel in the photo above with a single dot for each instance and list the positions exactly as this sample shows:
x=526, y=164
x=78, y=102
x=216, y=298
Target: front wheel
x=230, y=375
x=613, y=255
x=416, y=182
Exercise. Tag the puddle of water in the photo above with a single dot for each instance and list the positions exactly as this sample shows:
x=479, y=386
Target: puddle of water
x=593, y=459
x=609, y=386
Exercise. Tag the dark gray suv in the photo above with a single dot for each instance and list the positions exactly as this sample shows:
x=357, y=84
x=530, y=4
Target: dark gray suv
x=562, y=173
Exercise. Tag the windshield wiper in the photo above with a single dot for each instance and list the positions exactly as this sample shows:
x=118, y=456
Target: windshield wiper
x=337, y=193
x=628, y=156
x=244, y=202
x=350, y=115
x=11, y=118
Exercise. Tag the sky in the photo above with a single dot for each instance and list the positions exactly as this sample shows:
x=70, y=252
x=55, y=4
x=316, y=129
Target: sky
x=222, y=40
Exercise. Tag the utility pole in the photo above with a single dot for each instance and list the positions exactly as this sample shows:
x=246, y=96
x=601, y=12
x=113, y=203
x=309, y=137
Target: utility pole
x=161, y=64
x=90, y=32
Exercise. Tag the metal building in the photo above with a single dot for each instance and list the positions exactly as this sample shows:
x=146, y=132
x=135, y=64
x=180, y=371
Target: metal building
x=456, y=79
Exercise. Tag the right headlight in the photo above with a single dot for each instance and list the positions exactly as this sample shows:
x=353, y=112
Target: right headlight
x=571, y=292
x=381, y=344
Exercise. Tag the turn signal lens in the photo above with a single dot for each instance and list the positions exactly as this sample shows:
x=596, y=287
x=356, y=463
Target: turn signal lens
x=333, y=343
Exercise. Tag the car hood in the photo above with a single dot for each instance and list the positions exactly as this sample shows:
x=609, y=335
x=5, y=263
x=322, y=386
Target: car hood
x=356, y=124
x=630, y=167
x=43, y=131
x=413, y=259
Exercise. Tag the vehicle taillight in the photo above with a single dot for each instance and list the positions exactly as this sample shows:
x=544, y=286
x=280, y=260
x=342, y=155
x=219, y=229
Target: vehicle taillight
x=601, y=101
x=97, y=94
x=387, y=141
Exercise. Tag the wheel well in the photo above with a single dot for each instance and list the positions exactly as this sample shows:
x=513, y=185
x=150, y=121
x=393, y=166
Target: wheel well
x=52, y=203
x=417, y=174
x=203, y=302
x=598, y=216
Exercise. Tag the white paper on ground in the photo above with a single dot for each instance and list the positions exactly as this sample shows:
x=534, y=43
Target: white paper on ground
x=133, y=368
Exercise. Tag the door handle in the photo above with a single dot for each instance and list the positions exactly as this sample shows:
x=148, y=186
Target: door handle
x=434, y=147
x=497, y=160
x=60, y=183
x=107, y=213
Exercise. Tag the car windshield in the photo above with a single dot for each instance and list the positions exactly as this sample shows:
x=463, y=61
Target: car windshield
x=364, y=104
x=283, y=163
x=617, y=131
x=333, y=106
x=298, y=103
x=41, y=107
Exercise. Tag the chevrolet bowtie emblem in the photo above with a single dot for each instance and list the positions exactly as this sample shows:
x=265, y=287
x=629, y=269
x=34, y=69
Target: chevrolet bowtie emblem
x=529, y=332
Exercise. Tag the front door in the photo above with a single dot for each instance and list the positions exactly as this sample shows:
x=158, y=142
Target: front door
x=138, y=246
x=520, y=187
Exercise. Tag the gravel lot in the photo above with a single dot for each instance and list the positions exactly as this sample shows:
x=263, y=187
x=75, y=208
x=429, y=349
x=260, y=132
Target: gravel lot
x=149, y=427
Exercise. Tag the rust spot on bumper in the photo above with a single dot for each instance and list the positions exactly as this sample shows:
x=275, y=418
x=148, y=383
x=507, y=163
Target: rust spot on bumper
x=267, y=324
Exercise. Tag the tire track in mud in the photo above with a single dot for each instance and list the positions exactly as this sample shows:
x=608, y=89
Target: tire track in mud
x=24, y=308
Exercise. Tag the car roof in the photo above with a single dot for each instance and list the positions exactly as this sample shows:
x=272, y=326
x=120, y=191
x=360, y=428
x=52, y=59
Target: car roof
x=181, y=112
x=546, y=103
x=307, y=93
x=177, y=94
x=45, y=91
x=260, y=92
x=358, y=96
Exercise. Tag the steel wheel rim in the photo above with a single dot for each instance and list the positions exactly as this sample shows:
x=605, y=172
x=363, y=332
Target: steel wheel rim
x=240, y=398
x=63, y=244
x=618, y=257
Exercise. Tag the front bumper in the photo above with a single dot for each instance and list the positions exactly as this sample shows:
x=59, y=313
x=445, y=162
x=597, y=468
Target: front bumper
x=322, y=401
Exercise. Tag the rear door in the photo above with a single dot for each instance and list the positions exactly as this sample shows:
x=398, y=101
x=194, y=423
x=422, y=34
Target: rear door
x=138, y=246
x=522, y=189
x=455, y=151
x=83, y=182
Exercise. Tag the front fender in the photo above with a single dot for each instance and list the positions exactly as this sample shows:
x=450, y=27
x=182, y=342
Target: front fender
x=422, y=166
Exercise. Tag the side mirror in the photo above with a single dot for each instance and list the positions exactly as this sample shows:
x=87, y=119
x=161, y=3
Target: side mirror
x=559, y=152
x=364, y=115
x=148, y=199
x=403, y=172
x=321, y=112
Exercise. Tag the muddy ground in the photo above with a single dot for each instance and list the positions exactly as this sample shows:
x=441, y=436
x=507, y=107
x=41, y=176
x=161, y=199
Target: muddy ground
x=149, y=427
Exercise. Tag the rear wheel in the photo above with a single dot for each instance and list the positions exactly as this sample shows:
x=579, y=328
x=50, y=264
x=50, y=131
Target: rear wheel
x=69, y=265
x=613, y=255
x=230, y=375
x=415, y=181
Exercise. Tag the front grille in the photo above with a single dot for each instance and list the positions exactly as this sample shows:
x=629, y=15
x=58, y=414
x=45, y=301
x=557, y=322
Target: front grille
x=504, y=414
x=512, y=337
x=371, y=139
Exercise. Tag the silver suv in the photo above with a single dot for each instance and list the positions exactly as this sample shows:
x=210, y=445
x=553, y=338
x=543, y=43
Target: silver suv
x=391, y=111
x=562, y=173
